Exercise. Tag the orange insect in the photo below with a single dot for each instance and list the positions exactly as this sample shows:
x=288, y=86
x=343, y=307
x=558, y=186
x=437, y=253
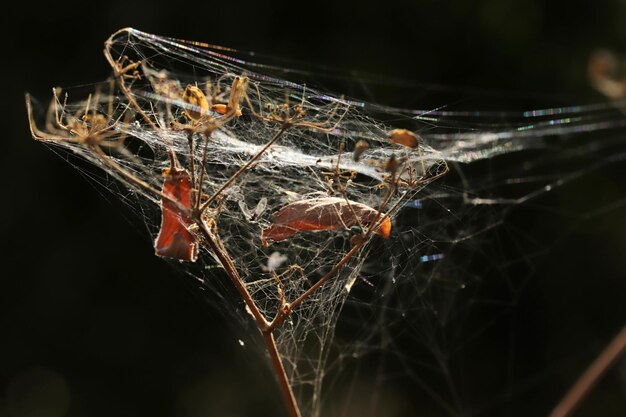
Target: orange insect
x=327, y=213
x=175, y=240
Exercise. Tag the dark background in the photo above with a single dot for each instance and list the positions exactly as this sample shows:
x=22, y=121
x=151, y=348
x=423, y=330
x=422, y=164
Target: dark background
x=91, y=320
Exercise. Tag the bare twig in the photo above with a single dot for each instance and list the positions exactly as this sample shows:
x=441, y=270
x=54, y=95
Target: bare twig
x=246, y=166
x=224, y=258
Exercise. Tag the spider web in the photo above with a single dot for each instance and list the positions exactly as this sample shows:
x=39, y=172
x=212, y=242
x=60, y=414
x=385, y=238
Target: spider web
x=402, y=301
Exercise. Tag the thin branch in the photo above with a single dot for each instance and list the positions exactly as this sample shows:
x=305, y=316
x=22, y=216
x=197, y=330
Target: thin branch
x=205, y=154
x=283, y=313
x=136, y=181
x=220, y=253
x=268, y=337
x=326, y=277
x=245, y=167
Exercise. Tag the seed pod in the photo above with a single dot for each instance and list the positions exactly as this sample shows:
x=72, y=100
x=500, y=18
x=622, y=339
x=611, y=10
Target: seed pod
x=237, y=92
x=404, y=137
x=198, y=104
x=221, y=108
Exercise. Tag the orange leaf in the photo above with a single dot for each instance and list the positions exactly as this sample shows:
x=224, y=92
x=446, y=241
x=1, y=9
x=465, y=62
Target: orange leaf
x=327, y=213
x=174, y=239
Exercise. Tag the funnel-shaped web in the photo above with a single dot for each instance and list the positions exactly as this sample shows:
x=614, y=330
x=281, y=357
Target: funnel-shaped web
x=286, y=189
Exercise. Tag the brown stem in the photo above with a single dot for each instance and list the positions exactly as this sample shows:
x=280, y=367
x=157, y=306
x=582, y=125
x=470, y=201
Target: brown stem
x=591, y=376
x=326, y=277
x=268, y=336
x=277, y=363
x=218, y=250
x=192, y=166
x=134, y=180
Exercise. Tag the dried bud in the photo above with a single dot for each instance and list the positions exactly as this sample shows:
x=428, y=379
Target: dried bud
x=237, y=92
x=198, y=104
x=392, y=165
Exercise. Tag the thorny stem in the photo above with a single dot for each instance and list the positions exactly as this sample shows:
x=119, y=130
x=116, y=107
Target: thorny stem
x=267, y=329
x=588, y=379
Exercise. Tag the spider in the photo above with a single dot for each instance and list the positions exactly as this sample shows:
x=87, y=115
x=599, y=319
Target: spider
x=94, y=131
x=85, y=127
x=287, y=115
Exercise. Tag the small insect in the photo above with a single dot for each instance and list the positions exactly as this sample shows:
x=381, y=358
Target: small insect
x=327, y=213
x=220, y=108
x=175, y=239
x=404, y=137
